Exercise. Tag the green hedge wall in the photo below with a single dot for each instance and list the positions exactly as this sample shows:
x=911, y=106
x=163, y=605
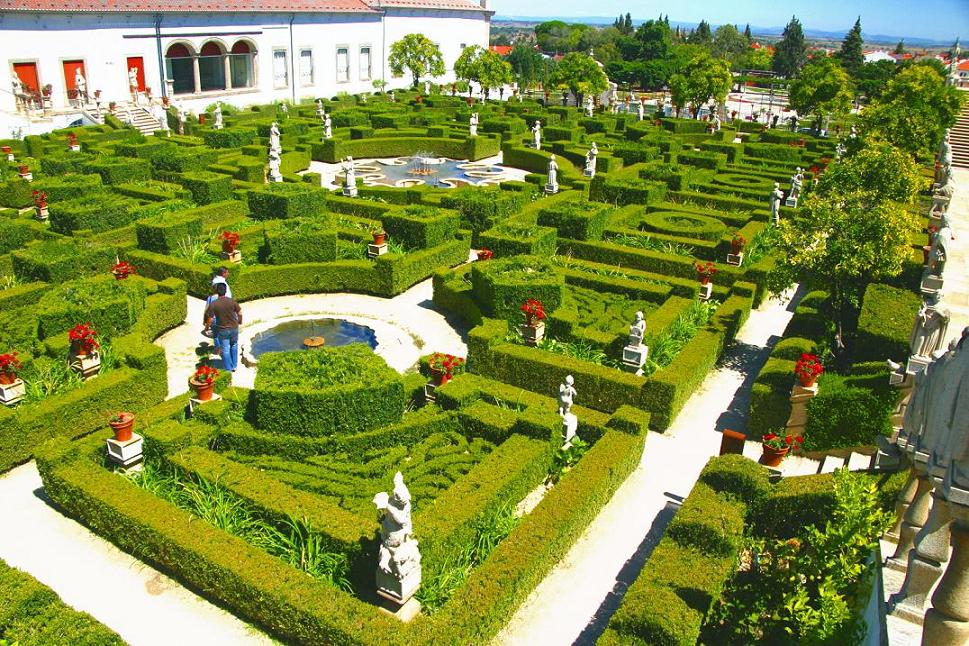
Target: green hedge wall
x=285, y=200
x=501, y=286
x=111, y=306
x=98, y=211
x=207, y=187
x=621, y=191
x=299, y=240
x=61, y=261
x=325, y=392
x=885, y=323
x=233, y=137
x=421, y=227
x=514, y=238
x=481, y=209
x=472, y=148
x=578, y=219
x=120, y=171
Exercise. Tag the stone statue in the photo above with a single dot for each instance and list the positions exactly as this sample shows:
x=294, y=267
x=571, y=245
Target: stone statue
x=133, y=81
x=637, y=331
x=797, y=181
x=349, y=170
x=274, y=139
x=716, y=122
x=776, y=196
x=327, y=127
x=590, y=160
x=552, y=187
x=938, y=254
x=567, y=393
x=641, y=110
x=840, y=150
x=284, y=108
x=274, y=173
x=393, y=97
x=217, y=115
x=182, y=118
x=80, y=84
x=589, y=106
x=427, y=88
x=399, y=560
x=929, y=330
x=537, y=134
x=17, y=85
x=319, y=109
x=473, y=130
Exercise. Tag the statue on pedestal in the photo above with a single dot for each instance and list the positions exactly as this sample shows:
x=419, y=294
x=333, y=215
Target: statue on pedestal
x=567, y=393
x=590, y=161
x=80, y=84
x=319, y=109
x=217, y=115
x=537, y=135
x=349, y=170
x=473, y=125
x=641, y=110
x=274, y=139
x=637, y=331
x=275, y=175
x=399, y=560
x=929, y=330
x=797, y=181
x=589, y=106
x=327, y=127
x=133, y=83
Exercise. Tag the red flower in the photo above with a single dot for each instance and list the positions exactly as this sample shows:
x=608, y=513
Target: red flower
x=445, y=364
x=533, y=310
x=84, y=338
x=9, y=362
x=205, y=374
x=230, y=237
x=123, y=269
x=705, y=269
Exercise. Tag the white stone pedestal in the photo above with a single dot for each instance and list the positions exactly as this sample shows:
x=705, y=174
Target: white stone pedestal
x=41, y=213
x=588, y=172
x=397, y=590
x=75, y=148
x=127, y=455
x=633, y=358
x=374, y=250
x=10, y=157
x=235, y=257
x=551, y=189
x=429, y=391
x=706, y=291
x=916, y=364
x=931, y=285
x=194, y=403
x=791, y=202
x=570, y=424
x=27, y=176
x=350, y=190
x=735, y=258
x=533, y=334
x=88, y=365
x=10, y=394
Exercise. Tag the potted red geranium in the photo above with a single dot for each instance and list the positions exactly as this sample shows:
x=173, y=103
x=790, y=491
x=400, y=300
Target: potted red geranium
x=737, y=244
x=533, y=330
x=444, y=366
x=485, y=254
x=230, y=240
x=123, y=269
x=705, y=271
x=379, y=236
x=808, y=368
x=203, y=381
x=122, y=423
x=40, y=204
x=83, y=339
x=9, y=365
x=775, y=448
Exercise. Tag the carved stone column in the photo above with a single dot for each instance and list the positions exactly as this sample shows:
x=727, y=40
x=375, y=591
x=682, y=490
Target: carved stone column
x=196, y=74
x=915, y=518
x=925, y=563
x=947, y=623
x=905, y=497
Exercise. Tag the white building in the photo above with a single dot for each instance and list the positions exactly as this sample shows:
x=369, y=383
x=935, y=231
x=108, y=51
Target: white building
x=236, y=51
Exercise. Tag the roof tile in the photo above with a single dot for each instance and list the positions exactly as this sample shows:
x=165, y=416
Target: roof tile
x=188, y=6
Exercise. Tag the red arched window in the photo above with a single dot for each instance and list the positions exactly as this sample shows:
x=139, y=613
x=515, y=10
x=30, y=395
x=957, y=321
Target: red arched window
x=178, y=50
x=241, y=48
x=211, y=49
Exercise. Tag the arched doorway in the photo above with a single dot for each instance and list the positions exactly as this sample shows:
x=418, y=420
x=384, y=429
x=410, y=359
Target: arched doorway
x=241, y=64
x=180, y=68
x=211, y=67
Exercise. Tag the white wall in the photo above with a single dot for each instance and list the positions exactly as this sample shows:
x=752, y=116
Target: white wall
x=104, y=41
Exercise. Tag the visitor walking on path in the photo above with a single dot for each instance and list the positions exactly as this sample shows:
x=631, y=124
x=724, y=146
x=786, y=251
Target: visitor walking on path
x=228, y=318
x=222, y=276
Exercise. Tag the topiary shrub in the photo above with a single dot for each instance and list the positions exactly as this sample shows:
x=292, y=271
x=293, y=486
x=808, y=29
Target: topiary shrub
x=885, y=323
x=501, y=286
x=623, y=191
x=421, y=227
x=234, y=137
x=16, y=193
x=110, y=306
x=300, y=240
x=286, y=200
x=481, y=209
x=326, y=392
x=182, y=159
x=577, y=219
x=68, y=187
x=58, y=261
x=98, y=211
x=207, y=187
x=850, y=411
x=114, y=170
x=684, y=225
x=519, y=238
x=15, y=234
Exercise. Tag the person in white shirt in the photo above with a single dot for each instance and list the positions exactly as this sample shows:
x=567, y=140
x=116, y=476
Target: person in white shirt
x=221, y=276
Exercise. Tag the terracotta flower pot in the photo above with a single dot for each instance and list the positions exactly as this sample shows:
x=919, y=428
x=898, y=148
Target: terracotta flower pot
x=7, y=378
x=228, y=247
x=704, y=280
x=736, y=248
x=203, y=389
x=441, y=377
x=122, y=429
x=807, y=380
x=378, y=238
x=772, y=457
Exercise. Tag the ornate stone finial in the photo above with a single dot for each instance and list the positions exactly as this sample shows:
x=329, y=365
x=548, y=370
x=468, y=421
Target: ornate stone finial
x=399, y=560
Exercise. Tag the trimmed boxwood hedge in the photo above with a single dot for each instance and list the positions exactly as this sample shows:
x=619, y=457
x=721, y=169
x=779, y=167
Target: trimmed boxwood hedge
x=483, y=208
x=622, y=191
x=98, y=211
x=59, y=261
x=331, y=390
x=502, y=285
x=578, y=219
x=300, y=240
x=421, y=227
x=885, y=323
x=516, y=238
x=687, y=225
x=285, y=200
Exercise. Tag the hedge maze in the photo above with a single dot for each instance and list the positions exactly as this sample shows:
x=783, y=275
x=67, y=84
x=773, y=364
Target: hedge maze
x=302, y=454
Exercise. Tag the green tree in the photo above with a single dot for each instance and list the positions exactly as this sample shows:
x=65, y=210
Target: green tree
x=655, y=40
x=747, y=33
x=851, y=55
x=527, y=65
x=701, y=35
x=468, y=65
x=493, y=72
x=879, y=171
x=553, y=36
x=760, y=58
x=417, y=54
x=729, y=44
x=900, y=47
x=822, y=88
x=702, y=79
x=873, y=77
x=790, y=54
x=579, y=73
x=914, y=110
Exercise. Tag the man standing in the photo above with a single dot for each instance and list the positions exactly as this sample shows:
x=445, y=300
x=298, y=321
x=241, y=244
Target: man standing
x=228, y=318
x=222, y=276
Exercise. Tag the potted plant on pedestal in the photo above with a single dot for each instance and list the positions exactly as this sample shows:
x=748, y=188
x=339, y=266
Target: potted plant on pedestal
x=122, y=423
x=737, y=244
x=705, y=272
x=379, y=236
x=230, y=240
x=485, y=254
x=40, y=205
x=123, y=269
x=83, y=350
x=775, y=448
x=9, y=365
x=533, y=329
x=203, y=382
x=444, y=366
x=808, y=368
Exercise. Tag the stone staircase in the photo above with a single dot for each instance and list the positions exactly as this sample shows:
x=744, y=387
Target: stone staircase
x=959, y=139
x=141, y=119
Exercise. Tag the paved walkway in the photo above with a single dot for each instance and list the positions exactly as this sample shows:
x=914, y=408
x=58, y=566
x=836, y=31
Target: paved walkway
x=574, y=603
x=138, y=602
x=955, y=292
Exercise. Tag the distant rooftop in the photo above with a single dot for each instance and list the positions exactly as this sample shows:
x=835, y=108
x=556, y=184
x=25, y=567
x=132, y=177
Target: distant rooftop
x=232, y=6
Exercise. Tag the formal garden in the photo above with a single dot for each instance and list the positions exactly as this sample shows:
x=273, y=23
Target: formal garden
x=596, y=295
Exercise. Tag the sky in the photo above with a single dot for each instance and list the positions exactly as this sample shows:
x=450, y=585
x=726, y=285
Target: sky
x=937, y=19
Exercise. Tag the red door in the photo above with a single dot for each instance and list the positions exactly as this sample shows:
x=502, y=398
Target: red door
x=27, y=73
x=70, y=71
x=138, y=63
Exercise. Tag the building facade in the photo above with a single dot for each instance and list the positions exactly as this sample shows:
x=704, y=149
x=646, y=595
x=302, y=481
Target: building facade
x=61, y=54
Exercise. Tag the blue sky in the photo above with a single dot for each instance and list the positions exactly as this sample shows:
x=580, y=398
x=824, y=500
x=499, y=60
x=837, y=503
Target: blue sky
x=937, y=19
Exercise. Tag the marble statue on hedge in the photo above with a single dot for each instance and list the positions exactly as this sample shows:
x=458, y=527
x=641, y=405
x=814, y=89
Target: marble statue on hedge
x=350, y=185
x=217, y=116
x=641, y=110
x=182, y=118
x=589, y=106
x=473, y=125
x=427, y=88
x=635, y=353
x=399, y=560
x=776, y=197
x=537, y=134
x=591, y=158
x=552, y=186
x=797, y=182
x=275, y=175
x=327, y=127
x=80, y=84
x=319, y=109
x=274, y=139
x=567, y=393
